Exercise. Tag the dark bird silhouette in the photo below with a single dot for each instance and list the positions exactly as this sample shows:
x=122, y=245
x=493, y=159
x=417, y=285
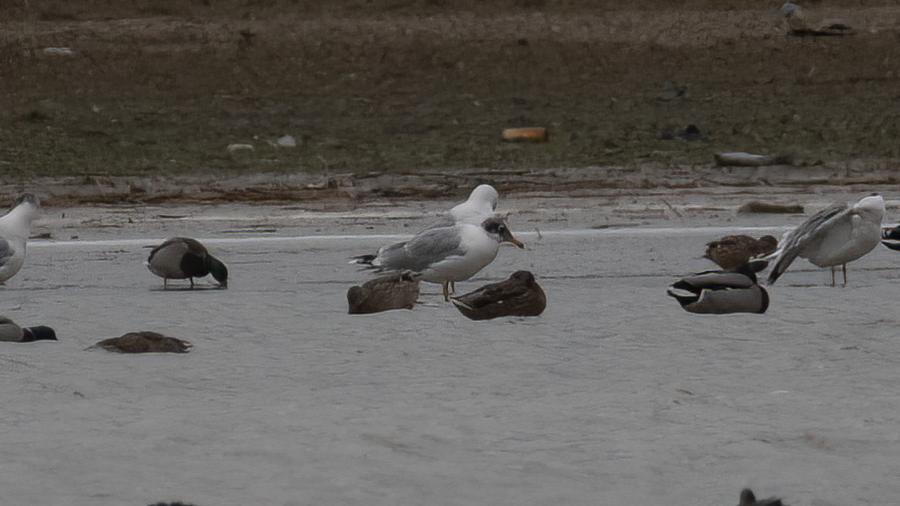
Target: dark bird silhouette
x=185, y=258
x=10, y=332
x=890, y=237
x=398, y=290
x=721, y=292
x=733, y=251
x=144, y=342
x=748, y=499
x=520, y=295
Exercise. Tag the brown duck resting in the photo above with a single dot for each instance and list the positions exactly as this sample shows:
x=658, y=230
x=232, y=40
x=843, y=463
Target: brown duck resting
x=734, y=251
x=520, y=295
x=399, y=290
x=144, y=342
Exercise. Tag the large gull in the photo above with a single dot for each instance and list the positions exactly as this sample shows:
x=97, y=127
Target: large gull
x=15, y=226
x=834, y=236
x=444, y=254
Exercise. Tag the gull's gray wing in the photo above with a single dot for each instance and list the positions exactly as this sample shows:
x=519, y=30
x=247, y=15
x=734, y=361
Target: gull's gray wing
x=809, y=231
x=429, y=247
x=6, y=251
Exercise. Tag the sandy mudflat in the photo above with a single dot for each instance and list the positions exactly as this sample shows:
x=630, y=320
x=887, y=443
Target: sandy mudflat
x=613, y=396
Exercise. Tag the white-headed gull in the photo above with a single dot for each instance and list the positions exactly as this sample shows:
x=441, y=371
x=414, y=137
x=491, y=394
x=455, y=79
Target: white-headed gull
x=15, y=226
x=10, y=332
x=444, y=254
x=834, y=236
x=721, y=292
x=481, y=204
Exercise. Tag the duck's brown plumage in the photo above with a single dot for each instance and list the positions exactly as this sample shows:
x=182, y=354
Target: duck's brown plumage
x=520, y=295
x=395, y=291
x=144, y=342
x=734, y=251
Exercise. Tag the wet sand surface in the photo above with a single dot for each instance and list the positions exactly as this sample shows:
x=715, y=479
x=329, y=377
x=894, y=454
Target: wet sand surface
x=613, y=396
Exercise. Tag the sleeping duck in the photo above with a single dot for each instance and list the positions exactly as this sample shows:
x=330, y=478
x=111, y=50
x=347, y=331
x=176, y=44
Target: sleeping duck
x=185, y=258
x=721, y=292
x=398, y=290
x=519, y=295
x=11, y=332
x=144, y=342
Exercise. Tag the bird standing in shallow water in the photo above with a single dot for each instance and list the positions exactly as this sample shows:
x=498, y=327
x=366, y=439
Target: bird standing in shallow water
x=185, y=258
x=520, y=295
x=834, y=236
x=15, y=226
x=10, y=332
x=444, y=254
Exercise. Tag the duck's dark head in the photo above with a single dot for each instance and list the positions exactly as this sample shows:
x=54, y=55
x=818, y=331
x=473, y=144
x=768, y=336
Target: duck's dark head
x=218, y=270
x=497, y=227
x=39, y=333
x=524, y=277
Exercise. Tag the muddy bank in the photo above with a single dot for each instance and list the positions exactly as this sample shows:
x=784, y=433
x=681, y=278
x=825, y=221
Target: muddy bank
x=429, y=86
x=352, y=188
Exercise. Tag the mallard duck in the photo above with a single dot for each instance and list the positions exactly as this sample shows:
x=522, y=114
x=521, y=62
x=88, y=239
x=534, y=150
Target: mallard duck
x=733, y=251
x=398, y=290
x=748, y=499
x=11, y=332
x=834, y=236
x=444, y=254
x=144, y=342
x=519, y=295
x=185, y=258
x=721, y=292
x=15, y=226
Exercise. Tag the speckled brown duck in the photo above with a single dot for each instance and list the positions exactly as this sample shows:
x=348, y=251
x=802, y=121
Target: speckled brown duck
x=734, y=251
x=520, y=295
x=399, y=290
x=144, y=342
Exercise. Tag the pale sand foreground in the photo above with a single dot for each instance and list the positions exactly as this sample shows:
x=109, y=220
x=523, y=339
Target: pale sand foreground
x=613, y=396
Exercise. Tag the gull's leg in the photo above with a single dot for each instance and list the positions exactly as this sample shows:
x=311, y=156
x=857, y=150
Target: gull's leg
x=446, y=291
x=844, y=266
x=832, y=276
x=453, y=287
